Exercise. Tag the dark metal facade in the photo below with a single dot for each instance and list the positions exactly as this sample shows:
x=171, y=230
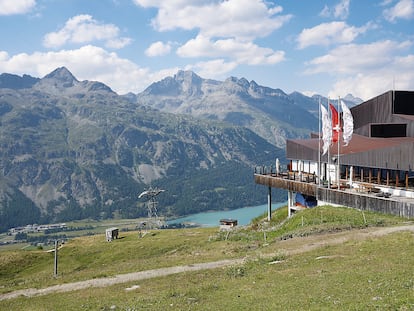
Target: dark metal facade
x=394, y=158
x=390, y=107
x=375, y=110
x=400, y=157
x=395, y=153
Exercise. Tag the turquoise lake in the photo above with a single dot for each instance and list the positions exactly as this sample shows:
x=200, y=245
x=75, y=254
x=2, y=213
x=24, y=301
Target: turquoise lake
x=212, y=219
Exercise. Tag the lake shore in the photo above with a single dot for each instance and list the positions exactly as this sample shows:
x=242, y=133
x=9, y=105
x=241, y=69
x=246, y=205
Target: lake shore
x=243, y=216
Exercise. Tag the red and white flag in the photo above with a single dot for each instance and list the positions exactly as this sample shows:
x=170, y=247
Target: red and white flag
x=332, y=126
x=336, y=127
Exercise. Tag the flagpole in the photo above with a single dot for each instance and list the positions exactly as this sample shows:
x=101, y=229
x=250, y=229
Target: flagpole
x=319, y=144
x=339, y=138
x=329, y=153
x=326, y=138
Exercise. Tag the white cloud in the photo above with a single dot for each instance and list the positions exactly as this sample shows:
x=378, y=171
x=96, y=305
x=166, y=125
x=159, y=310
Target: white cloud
x=326, y=11
x=158, y=49
x=371, y=84
x=4, y=56
x=12, y=7
x=354, y=58
x=386, y=2
x=213, y=69
x=232, y=18
x=82, y=29
x=118, y=43
x=86, y=63
x=341, y=10
x=167, y=3
x=226, y=30
x=330, y=33
x=241, y=52
x=404, y=9
x=309, y=93
x=367, y=70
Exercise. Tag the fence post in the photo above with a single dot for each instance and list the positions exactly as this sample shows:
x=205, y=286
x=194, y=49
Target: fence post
x=56, y=259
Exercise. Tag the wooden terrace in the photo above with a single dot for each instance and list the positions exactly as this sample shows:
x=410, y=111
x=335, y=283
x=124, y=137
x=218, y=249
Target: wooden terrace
x=363, y=195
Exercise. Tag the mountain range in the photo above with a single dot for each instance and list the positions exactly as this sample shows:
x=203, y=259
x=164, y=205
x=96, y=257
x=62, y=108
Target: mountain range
x=75, y=149
x=270, y=113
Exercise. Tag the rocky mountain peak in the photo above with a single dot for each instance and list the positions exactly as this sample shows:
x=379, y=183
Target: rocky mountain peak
x=62, y=81
x=353, y=99
x=62, y=75
x=236, y=83
x=253, y=84
x=189, y=81
x=187, y=76
x=243, y=82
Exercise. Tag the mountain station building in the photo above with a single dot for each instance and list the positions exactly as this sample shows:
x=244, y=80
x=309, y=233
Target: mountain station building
x=373, y=172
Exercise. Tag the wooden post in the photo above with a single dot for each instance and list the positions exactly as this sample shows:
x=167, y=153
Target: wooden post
x=56, y=258
x=406, y=180
x=397, y=177
x=379, y=176
x=269, y=204
x=370, y=175
x=388, y=177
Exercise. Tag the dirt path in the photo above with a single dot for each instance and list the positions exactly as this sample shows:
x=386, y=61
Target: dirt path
x=289, y=247
x=302, y=245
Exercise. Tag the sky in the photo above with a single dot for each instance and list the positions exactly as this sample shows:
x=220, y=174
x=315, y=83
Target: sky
x=331, y=48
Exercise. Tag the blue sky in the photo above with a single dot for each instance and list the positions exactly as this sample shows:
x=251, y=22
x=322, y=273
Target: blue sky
x=331, y=48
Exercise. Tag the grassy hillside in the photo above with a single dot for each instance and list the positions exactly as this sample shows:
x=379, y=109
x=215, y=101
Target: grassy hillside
x=290, y=265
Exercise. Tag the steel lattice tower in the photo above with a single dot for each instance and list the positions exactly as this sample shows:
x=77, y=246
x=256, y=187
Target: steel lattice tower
x=152, y=203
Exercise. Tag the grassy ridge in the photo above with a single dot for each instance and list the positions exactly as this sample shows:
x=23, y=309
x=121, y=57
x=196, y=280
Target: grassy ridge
x=375, y=273
x=323, y=219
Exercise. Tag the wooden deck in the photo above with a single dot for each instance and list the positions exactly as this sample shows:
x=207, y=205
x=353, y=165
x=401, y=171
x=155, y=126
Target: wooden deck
x=365, y=196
